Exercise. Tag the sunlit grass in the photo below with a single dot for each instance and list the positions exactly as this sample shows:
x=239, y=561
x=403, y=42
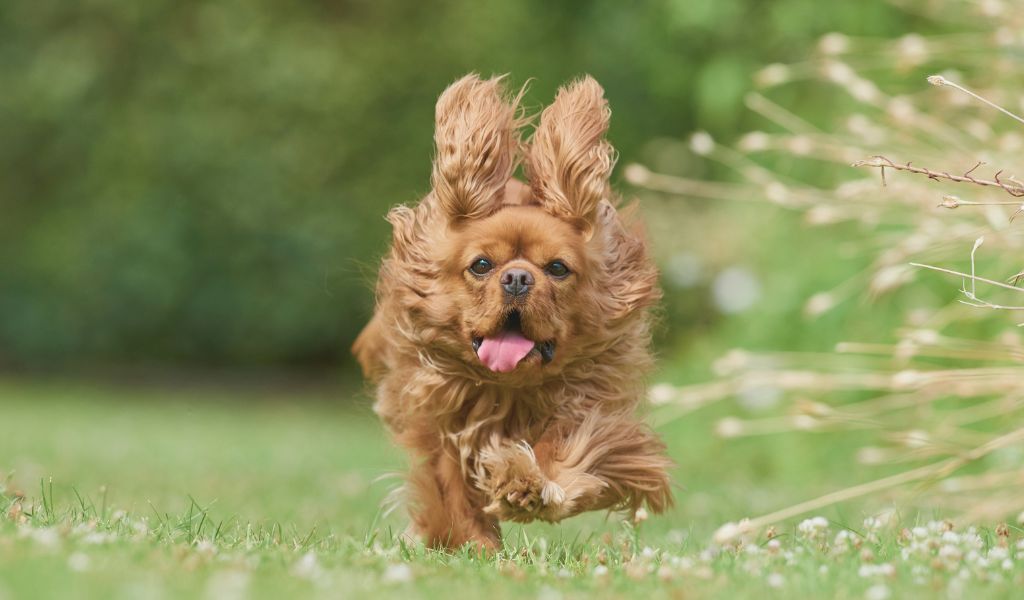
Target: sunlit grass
x=126, y=493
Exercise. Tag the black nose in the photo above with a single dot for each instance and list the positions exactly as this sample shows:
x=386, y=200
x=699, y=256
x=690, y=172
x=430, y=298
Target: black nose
x=517, y=282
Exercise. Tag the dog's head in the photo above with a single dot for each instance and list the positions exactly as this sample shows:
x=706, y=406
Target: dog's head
x=526, y=281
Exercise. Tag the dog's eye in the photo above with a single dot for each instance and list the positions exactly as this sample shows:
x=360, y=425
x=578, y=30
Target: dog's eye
x=481, y=266
x=558, y=269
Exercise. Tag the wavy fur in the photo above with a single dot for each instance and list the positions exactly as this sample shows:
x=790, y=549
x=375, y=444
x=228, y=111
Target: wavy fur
x=549, y=439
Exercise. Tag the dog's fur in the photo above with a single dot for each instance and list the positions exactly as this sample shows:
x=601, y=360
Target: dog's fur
x=554, y=436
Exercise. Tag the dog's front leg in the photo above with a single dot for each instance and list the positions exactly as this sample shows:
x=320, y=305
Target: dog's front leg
x=443, y=508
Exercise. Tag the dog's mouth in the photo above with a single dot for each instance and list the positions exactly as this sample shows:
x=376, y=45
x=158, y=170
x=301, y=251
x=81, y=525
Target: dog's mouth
x=505, y=350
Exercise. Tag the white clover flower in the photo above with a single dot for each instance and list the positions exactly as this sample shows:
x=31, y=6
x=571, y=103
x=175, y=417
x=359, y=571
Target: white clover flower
x=78, y=561
x=206, y=547
x=307, y=567
x=878, y=592
x=600, y=571
x=665, y=573
x=140, y=527
x=97, y=537
x=776, y=580
x=46, y=537
x=880, y=570
x=950, y=553
x=228, y=585
x=397, y=573
x=639, y=517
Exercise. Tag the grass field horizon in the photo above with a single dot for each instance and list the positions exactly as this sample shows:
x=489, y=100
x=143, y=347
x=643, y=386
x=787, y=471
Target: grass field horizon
x=115, y=493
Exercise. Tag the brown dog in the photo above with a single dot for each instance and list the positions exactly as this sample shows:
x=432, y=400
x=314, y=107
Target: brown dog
x=511, y=334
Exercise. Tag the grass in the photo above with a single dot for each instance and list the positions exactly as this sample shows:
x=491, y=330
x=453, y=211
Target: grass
x=116, y=492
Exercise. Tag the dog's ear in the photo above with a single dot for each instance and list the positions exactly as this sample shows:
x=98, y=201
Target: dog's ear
x=477, y=147
x=569, y=159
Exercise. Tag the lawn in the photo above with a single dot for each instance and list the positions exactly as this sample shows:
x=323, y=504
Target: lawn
x=116, y=491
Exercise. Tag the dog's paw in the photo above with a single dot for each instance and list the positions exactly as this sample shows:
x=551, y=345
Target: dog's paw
x=522, y=493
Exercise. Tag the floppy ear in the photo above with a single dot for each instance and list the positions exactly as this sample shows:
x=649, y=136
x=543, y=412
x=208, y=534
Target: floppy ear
x=569, y=161
x=477, y=144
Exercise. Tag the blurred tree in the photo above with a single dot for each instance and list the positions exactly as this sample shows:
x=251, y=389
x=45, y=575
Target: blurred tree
x=203, y=182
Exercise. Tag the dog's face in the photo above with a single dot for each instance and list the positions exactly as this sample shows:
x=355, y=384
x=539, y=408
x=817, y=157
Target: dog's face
x=519, y=280
x=510, y=283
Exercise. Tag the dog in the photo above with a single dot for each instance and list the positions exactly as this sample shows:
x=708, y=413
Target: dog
x=511, y=335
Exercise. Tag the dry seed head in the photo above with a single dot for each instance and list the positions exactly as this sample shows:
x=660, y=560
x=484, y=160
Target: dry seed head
x=661, y=393
x=871, y=455
x=729, y=427
x=864, y=90
x=636, y=174
x=819, y=303
x=755, y=141
x=800, y=145
x=834, y=43
x=900, y=108
x=772, y=75
x=839, y=72
x=912, y=49
x=701, y=143
x=822, y=214
x=804, y=422
x=732, y=362
x=992, y=8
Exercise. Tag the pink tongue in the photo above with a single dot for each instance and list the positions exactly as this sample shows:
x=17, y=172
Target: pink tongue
x=503, y=352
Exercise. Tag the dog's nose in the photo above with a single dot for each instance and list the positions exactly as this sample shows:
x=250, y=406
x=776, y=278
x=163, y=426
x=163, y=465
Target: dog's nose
x=517, y=282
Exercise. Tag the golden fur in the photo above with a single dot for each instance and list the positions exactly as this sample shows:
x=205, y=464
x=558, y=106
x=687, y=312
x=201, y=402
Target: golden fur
x=553, y=437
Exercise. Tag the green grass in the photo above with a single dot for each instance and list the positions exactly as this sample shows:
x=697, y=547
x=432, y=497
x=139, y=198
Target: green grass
x=117, y=492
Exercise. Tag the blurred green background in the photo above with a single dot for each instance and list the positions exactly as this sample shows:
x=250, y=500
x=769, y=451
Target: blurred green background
x=202, y=184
